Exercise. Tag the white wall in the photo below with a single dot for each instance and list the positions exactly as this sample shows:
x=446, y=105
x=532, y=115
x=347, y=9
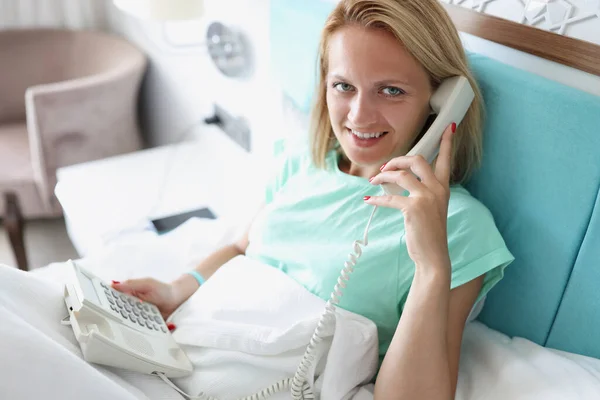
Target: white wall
x=181, y=85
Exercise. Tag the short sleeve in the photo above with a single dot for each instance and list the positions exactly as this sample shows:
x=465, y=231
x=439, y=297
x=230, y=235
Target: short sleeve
x=287, y=157
x=475, y=244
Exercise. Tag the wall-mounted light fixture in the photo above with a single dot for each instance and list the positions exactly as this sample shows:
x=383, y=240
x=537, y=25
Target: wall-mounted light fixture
x=163, y=10
x=227, y=48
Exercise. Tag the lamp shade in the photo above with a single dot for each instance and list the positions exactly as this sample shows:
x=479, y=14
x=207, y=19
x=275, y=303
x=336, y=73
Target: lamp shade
x=162, y=10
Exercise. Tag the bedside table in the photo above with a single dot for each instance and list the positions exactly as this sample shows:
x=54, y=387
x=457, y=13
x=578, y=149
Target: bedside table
x=107, y=198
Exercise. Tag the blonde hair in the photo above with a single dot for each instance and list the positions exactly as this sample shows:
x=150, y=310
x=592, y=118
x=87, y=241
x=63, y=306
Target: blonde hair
x=429, y=35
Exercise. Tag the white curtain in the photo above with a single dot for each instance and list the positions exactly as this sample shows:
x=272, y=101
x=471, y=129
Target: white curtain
x=73, y=14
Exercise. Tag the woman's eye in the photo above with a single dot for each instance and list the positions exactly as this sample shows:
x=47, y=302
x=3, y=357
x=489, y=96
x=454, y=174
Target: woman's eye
x=342, y=87
x=392, y=91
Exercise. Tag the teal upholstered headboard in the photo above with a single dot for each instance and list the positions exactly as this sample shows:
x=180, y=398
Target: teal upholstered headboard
x=540, y=178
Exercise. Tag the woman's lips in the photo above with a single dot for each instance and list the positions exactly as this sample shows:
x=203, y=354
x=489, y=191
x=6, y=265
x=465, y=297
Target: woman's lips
x=364, y=142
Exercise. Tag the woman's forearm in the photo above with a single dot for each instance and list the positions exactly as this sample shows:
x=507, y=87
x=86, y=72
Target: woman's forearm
x=186, y=284
x=416, y=365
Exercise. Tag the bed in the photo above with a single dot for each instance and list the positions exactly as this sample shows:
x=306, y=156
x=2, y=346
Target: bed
x=537, y=334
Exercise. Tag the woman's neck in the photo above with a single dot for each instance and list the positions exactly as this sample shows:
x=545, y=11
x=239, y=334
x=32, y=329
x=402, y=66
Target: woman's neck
x=348, y=167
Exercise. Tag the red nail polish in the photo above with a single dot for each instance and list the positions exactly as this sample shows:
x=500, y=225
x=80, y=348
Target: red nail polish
x=171, y=326
x=371, y=179
x=383, y=166
x=366, y=198
x=115, y=282
x=453, y=127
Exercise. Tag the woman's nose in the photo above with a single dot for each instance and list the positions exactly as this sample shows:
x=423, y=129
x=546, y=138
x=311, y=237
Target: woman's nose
x=362, y=112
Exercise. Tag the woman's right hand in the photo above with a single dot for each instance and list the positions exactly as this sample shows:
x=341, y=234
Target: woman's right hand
x=163, y=295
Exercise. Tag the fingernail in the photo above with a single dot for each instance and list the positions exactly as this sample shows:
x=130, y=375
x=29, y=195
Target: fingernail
x=171, y=326
x=366, y=198
x=371, y=179
x=115, y=282
x=453, y=127
x=382, y=167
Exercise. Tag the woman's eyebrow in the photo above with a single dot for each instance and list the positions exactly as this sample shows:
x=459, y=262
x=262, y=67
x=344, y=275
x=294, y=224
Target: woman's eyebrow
x=338, y=77
x=391, y=82
x=384, y=82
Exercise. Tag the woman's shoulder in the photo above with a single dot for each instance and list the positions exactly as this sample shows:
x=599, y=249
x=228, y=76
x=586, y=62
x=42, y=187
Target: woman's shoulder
x=292, y=150
x=464, y=208
x=471, y=225
x=289, y=156
x=292, y=145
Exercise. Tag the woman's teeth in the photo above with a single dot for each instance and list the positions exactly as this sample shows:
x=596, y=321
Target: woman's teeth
x=366, y=135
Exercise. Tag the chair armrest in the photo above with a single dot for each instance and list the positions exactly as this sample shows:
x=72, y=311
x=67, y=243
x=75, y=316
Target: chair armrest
x=82, y=120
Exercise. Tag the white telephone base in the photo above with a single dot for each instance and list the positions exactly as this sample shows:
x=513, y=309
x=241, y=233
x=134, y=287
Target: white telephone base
x=121, y=331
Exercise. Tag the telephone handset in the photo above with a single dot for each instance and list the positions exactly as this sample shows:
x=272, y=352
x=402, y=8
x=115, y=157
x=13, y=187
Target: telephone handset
x=450, y=102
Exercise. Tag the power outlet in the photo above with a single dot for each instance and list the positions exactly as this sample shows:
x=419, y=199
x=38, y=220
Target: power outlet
x=236, y=128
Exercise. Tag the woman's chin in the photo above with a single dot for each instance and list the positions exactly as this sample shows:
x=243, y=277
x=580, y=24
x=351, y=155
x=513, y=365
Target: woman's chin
x=365, y=156
x=365, y=159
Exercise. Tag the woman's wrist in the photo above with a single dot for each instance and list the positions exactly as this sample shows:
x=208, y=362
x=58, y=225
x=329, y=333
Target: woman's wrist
x=184, y=287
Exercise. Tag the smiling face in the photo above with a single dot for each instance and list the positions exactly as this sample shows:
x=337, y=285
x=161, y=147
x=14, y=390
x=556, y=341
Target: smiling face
x=377, y=97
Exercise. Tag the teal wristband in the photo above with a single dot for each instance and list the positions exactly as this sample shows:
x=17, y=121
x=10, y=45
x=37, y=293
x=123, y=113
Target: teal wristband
x=197, y=276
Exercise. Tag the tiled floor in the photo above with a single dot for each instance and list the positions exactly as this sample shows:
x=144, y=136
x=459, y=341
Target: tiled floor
x=46, y=241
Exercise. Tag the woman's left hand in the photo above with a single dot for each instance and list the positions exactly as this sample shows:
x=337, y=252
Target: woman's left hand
x=426, y=207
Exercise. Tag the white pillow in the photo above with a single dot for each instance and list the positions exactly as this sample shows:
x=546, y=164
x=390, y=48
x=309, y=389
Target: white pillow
x=496, y=367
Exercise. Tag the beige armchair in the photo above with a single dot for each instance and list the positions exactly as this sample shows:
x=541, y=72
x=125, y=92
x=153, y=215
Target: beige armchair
x=65, y=97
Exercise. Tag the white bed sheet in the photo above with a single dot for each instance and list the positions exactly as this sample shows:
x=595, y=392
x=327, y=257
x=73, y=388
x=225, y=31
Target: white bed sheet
x=40, y=358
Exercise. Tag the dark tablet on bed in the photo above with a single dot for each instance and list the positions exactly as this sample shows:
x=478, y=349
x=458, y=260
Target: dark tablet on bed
x=170, y=222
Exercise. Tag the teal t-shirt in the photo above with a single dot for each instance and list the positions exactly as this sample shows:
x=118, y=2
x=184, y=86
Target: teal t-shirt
x=313, y=216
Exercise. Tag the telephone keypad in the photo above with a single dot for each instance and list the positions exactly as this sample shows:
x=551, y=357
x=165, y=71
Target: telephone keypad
x=134, y=310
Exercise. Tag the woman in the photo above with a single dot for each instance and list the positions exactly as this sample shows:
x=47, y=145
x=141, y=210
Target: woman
x=432, y=254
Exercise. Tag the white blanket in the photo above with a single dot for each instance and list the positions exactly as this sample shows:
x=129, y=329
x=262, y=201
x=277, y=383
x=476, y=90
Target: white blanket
x=249, y=325
x=42, y=360
x=244, y=330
